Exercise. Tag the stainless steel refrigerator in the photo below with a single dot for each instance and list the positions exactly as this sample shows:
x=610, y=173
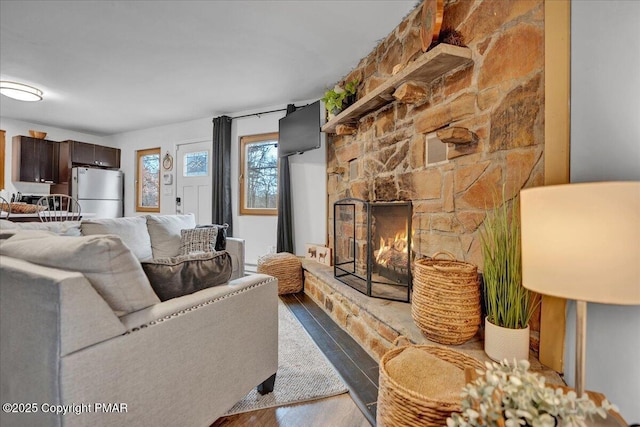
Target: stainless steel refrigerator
x=99, y=191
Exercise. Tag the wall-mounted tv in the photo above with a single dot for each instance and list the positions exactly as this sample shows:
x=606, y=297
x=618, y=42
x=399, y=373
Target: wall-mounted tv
x=300, y=130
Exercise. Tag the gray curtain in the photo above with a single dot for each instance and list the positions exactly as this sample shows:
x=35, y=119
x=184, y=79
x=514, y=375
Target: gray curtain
x=221, y=170
x=285, y=218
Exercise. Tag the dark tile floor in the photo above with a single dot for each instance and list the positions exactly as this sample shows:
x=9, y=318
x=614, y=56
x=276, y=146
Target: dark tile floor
x=358, y=370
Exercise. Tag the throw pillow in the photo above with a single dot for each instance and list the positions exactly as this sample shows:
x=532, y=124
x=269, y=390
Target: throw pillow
x=132, y=231
x=164, y=231
x=198, y=240
x=185, y=274
x=105, y=261
x=62, y=228
x=221, y=239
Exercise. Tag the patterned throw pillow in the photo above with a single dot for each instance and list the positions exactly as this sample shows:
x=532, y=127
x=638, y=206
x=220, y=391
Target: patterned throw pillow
x=198, y=240
x=221, y=241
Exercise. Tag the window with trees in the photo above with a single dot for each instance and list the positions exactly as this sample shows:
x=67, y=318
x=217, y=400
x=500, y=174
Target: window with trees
x=148, y=180
x=259, y=174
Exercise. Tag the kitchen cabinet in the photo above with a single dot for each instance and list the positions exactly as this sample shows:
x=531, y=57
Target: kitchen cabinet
x=34, y=160
x=82, y=153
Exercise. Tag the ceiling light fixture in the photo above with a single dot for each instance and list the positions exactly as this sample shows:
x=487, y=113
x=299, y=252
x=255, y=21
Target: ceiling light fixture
x=20, y=91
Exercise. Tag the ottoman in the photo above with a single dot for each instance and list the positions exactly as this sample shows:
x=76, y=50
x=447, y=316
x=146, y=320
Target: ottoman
x=285, y=267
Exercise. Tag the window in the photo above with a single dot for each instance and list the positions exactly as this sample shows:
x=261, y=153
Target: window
x=148, y=180
x=196, y=164
x=259, y=174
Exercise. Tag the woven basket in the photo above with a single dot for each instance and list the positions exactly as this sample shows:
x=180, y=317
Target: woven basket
x=285, y=267
x=399, y=406
x=24, y=208
x=446, y=299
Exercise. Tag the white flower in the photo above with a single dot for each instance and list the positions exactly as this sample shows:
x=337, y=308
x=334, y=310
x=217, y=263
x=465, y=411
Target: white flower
x=515, y=381
x=509, y=391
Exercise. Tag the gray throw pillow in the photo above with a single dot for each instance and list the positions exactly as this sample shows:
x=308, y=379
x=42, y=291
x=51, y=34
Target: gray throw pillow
x=106, y=262
x=132, y=231
x=185, y=274
x=164, y=231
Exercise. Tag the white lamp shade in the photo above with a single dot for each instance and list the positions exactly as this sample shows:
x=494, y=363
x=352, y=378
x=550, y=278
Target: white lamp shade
x=582, y=241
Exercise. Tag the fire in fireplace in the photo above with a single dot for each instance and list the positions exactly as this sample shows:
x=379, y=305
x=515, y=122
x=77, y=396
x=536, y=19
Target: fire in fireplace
x=372, y=247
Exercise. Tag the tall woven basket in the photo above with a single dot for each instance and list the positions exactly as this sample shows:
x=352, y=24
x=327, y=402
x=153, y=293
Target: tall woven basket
x=446, y=299
x=399, y=406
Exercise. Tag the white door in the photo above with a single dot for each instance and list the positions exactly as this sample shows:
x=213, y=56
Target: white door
x=194, y=180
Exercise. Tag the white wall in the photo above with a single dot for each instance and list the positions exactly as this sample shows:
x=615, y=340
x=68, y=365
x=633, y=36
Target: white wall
x=166, y=137
x=308, y=175
x=605, y=145
x=308, y=192
x=17, y=127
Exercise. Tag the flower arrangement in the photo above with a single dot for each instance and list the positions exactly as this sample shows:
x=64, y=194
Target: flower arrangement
x=508, y=395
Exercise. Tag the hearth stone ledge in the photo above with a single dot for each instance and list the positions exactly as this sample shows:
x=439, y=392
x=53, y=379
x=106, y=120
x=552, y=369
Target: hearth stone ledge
x=375, y=323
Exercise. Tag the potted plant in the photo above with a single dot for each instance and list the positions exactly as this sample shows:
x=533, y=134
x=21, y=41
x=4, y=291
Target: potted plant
x=507, y=394
x=338, y=98
x=509, y=305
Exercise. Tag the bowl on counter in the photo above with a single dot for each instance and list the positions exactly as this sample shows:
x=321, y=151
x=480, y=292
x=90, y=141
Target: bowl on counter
x=37, y=134
x=24, y=208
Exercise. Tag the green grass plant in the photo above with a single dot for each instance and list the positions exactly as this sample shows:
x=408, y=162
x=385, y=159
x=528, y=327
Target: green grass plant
x=508, y=303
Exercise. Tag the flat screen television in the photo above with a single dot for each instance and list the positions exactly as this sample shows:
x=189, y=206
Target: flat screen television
x=300, y=130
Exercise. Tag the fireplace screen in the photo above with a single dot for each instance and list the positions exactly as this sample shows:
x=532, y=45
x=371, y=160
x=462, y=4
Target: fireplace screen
x=372, y=247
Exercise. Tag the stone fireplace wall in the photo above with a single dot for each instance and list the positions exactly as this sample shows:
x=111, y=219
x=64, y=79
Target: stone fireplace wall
x=500, y=98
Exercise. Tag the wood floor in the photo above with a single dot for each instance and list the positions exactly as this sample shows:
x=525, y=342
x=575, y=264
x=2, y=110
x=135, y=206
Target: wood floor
x=358, y=370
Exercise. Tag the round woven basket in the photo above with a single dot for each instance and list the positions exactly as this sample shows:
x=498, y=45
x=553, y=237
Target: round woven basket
x=446, y=299
x=285, y=267
x=399, y=406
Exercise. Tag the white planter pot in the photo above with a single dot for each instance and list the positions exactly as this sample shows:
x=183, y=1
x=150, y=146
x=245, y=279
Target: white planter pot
x=505, y=343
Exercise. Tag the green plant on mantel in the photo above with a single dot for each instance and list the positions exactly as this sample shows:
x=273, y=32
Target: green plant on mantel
x=508, y=394
x=508, y=303
x=334, y=99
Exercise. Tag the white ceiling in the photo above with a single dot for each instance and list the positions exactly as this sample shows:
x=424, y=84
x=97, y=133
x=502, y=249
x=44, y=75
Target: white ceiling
x=107, y=67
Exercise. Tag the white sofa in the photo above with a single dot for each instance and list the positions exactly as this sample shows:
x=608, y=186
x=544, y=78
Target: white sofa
x=184, y=361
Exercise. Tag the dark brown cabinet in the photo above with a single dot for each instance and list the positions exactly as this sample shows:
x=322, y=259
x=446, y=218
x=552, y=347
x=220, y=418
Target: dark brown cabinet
x=35, y=160
x=107, y=156
x=82, y=153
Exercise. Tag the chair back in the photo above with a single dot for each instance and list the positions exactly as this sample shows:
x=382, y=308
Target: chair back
x=58, y=207
x=5, y=206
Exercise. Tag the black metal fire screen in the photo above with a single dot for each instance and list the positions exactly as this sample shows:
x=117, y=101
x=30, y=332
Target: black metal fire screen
x=372, y=247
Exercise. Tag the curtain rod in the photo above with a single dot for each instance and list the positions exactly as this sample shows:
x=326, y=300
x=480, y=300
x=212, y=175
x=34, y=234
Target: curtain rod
x=260, y=113
x=265, y=112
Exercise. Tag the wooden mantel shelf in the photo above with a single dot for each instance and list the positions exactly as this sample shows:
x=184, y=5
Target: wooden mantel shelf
x=432, y=64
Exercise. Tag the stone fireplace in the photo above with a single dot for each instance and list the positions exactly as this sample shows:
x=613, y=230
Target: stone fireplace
x=446, y=143
x=372, y=247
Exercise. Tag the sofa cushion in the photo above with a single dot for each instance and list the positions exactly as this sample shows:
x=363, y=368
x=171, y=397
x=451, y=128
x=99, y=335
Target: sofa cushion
x=132, y=231
x=25, y=234
x=62, y=228
x=198, y=240
x=221, y=238
x=105, y=261
x=176, y=276
x=164, y=231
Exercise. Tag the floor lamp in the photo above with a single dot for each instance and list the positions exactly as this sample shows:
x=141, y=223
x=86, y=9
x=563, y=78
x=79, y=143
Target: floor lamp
x=582, y=242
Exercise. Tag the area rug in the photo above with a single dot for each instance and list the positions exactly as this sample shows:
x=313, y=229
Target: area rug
x=303, y=372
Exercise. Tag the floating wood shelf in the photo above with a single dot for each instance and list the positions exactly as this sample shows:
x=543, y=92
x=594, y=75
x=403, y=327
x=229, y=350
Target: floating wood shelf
x=432, y=64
